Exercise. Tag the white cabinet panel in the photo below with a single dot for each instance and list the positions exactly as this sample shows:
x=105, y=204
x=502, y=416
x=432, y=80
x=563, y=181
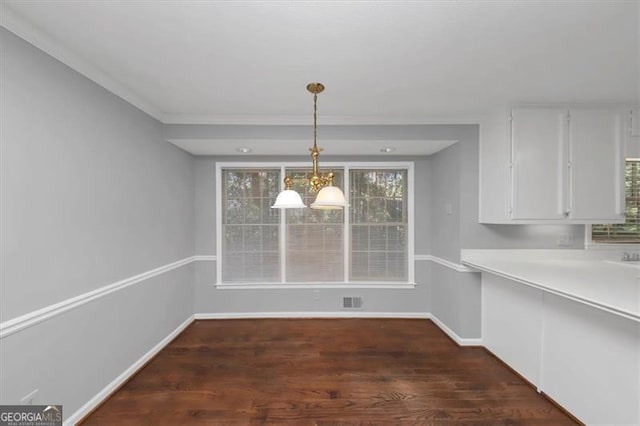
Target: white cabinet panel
x=586, y=359
x=555, y=165
x=596, y=164
x=512, y=324
x=537, y=161
x=591, y=362
x=632, y=136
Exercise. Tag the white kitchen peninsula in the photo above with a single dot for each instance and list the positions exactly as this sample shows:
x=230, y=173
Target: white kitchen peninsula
x=569, y=322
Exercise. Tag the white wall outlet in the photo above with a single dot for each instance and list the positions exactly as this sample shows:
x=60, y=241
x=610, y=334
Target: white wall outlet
x=316, y=294
x=30, y=398
x=448, y=208
x=564, y=240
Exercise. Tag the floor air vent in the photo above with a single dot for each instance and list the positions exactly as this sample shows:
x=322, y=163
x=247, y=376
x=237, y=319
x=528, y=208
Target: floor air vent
x=352, y=302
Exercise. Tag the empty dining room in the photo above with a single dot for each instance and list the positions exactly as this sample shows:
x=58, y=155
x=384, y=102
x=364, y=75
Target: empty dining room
x=320, y=212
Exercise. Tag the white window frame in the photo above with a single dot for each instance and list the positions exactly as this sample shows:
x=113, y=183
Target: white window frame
x=589, y=244
x=346, y=166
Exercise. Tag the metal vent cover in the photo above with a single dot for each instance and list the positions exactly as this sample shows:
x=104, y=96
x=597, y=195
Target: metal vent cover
x=352, y=302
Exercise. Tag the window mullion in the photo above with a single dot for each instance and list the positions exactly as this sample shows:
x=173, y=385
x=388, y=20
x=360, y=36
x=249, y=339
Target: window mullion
x=283, y=233
x=346, y=233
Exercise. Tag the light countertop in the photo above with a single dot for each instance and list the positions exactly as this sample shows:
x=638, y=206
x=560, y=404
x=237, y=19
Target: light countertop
x=595, y=278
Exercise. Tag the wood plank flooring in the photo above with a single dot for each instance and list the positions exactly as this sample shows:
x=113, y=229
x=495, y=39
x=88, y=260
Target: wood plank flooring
x=324, y=372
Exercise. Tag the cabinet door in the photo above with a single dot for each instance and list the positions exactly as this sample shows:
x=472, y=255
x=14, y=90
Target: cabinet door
x=591, y=362
x=512, y=324
x=596, y=166
x=538, y=164
x=632, y=136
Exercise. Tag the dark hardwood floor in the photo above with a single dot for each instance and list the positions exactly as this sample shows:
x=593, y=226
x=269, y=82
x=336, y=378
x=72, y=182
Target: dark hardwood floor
x=324, y=372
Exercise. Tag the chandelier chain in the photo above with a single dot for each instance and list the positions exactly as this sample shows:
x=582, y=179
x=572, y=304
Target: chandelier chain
x=315, y=119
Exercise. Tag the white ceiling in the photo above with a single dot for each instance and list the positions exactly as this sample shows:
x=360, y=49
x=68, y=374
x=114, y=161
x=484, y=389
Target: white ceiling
x=382, y=62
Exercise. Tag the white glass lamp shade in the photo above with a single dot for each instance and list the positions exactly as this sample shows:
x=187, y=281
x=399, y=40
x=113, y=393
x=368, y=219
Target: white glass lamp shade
x=288, y=199
x=329, y=198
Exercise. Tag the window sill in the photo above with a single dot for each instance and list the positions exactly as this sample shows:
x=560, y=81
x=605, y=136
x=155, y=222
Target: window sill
x=316, y=286
x=611, y=246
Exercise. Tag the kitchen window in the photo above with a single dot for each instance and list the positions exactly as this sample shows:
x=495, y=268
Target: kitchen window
x=629, y=231
x=368, y=244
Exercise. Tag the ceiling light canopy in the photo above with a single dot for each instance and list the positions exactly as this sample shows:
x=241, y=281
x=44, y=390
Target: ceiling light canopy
x=330, y=197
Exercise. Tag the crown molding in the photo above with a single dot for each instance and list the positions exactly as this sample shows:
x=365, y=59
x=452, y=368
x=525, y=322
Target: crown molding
x=45, y=42
x=21, y=27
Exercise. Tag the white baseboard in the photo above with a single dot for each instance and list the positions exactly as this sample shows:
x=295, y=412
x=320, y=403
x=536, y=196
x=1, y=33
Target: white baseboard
x=336, y=314
x=122, y=378
x=462, y=341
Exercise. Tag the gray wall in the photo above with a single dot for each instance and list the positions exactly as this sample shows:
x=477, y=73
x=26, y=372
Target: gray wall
x=455, y=296
x=212, y=300
x=91, y=194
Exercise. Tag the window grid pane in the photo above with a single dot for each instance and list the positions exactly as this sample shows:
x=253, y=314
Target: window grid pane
x=378, y=222
x=314, y=238
x=250, y=240
x=628, y=232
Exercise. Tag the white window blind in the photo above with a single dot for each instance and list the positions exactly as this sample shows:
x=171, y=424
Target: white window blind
x=379, y=222
x=629, y=231
x=367, y=242
x=250, y=228
x=314, y=238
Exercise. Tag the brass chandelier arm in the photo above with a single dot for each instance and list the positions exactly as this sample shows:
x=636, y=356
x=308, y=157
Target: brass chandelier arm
x=319, y=179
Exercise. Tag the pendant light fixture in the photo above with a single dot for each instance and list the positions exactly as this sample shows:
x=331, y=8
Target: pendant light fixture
x=329, y=197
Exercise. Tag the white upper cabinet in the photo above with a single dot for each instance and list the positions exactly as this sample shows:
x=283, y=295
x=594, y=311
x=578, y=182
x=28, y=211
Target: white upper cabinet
x=537, y=163
x=596, y=165
x=553, y=165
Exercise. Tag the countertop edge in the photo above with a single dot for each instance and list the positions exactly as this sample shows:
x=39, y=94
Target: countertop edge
x=625, y=314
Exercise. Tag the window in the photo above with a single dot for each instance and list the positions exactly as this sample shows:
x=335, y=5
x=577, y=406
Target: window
x=368, y=243
x=378, y=224
x=628, y=232
x=250, y=229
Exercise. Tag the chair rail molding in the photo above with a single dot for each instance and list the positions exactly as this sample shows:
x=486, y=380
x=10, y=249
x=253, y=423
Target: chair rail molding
x=30, y=319
x=444, y=262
